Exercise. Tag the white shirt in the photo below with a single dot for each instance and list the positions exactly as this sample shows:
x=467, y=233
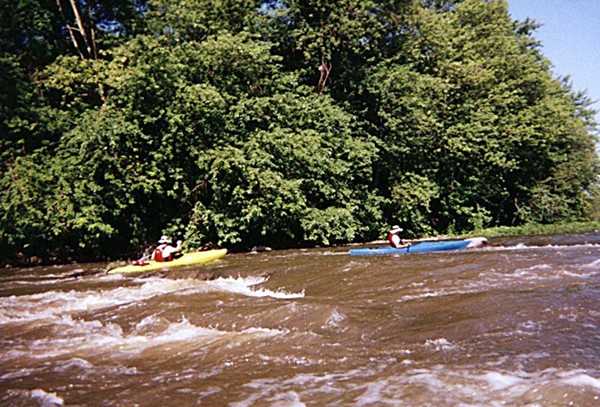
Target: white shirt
x=396, y=240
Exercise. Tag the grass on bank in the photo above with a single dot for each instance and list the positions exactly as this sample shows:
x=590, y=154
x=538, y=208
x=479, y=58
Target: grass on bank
x=528, y=230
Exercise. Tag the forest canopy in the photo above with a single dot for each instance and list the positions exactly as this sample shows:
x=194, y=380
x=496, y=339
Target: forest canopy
x=284, y=123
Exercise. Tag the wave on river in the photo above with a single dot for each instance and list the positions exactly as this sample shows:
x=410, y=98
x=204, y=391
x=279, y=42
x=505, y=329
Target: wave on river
x=515, y=323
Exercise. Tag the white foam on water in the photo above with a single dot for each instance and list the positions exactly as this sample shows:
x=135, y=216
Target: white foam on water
x=87, y=338
x=243, y=286
x=499, y=381
x=537, y=272
x=72, y=336
x=287, y=399
x=523, y=246
x=496, y=280
x=36, y=282
x=518, y=246
x=374, y=394
x=578, y=274
x=54, y=304
x=534, y=274
x=594, y=265
x=76, y=363
x=440, y=344
x=487, y=281
x=580, y=380
x=528, y=328
x=540, y=267
x=448, y=384
x=428, y=294
x=436, y=385
x=264, y=388
x=466, y=289
x=547, y=272
x=18, y=373
x=336, y=320
x=184, y=331
x=261, y=390
x=37, y=397
x=45, y=398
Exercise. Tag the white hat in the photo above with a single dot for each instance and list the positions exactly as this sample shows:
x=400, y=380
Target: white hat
x=164, y=239
x=396, y=229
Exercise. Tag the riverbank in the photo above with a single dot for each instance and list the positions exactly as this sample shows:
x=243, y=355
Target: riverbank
x=501, y=231
x=529, y=230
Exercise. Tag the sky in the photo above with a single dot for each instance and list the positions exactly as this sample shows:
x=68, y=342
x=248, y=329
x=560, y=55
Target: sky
x=570, y=37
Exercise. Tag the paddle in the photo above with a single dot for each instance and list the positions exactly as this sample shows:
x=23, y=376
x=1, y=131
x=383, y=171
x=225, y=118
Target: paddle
x=143, y=261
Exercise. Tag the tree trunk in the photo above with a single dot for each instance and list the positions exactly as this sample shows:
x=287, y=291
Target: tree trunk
x=88, y=47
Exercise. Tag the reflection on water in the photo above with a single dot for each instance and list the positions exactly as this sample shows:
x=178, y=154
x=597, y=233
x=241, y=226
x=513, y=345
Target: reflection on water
x=515, y=323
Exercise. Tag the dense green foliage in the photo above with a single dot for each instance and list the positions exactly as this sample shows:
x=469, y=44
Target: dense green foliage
x=280, y=123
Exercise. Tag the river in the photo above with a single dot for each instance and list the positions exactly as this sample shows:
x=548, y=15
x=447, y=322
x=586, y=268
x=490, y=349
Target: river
x=514, y=323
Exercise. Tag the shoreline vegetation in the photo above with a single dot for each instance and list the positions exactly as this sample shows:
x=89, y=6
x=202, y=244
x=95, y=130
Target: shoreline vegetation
x=286, y=124
x=529, y=230
x=502, y=231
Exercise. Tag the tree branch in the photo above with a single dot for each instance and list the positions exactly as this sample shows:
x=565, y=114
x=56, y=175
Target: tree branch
x=81, y=27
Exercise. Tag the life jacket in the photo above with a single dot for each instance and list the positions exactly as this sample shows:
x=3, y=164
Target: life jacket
x=390, y=239
x=158, y=254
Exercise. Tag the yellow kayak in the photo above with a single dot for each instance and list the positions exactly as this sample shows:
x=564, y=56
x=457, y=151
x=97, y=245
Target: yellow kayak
x=188, y=259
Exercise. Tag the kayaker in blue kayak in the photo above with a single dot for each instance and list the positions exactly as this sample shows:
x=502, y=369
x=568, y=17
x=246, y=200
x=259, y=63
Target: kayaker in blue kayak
x=165, y=251
x=394, y=238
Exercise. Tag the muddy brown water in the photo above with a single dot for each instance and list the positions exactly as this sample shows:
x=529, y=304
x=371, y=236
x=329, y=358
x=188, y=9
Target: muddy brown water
x=515, y=323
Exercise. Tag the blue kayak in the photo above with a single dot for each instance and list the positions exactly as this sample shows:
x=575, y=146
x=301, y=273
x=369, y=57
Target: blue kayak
x=423, y=247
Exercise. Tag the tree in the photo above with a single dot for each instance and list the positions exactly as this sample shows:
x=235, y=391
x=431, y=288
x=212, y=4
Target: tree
x=470, y=108
x=292, y=180
x=284, y=123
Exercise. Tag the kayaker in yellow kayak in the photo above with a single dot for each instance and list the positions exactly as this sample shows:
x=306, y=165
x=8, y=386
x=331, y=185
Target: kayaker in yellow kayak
x=165, y=251
x=394, y=238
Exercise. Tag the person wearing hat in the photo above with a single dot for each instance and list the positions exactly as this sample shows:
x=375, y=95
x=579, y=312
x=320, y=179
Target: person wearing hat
x=165, y=251
x=394, y=238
